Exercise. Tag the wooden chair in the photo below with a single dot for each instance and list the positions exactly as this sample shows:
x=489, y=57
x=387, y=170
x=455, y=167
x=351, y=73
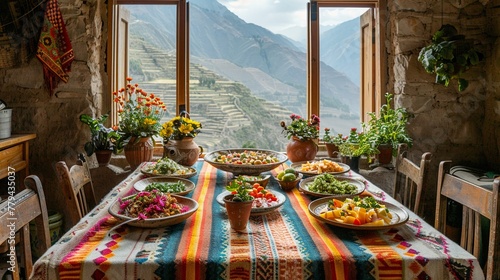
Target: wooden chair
x=76, y=183
x=410, y=179
x=476, y=201
x=15, y=215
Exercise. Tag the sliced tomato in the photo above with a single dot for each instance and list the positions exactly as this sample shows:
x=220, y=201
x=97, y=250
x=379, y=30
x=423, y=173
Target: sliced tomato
x=356, y=222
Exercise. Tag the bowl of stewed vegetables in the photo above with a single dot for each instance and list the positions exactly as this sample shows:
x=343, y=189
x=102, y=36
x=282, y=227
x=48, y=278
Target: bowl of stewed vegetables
x=245, y=161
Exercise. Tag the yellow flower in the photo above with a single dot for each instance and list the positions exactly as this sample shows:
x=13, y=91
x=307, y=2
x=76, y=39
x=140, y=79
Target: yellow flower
x=179, y=127
x=148, y=121
x=185, y=128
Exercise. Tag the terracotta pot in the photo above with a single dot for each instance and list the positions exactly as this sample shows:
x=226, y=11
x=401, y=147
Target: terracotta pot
x=185, y=152
x=103, y=157
x=385, y=155
x=298, y=150
x=138, y=151
x=238, y=212
x=332, y=149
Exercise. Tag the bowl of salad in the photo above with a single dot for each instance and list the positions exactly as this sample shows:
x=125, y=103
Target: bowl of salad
x=166, y=167
x=245, y=161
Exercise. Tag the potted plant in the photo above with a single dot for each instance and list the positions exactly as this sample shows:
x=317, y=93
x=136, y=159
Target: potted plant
x=388, y=129
x=178, y=137
x=139, y=119
x=304, y=135
x=448, y=56
x=238, y=204
x=103, y=140
x=354, y=146
x=332, y=142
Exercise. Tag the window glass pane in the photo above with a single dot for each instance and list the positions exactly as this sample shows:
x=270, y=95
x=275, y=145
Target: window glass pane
x=340, y=68
x=245, y=77
x=152, y=51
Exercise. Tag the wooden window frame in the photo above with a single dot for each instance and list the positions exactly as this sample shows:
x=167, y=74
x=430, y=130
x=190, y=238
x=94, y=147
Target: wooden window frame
x=379, y=80
x=313, y=66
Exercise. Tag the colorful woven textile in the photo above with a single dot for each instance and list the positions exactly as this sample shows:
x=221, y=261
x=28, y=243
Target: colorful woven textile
x=54, y=47
x=288, y=243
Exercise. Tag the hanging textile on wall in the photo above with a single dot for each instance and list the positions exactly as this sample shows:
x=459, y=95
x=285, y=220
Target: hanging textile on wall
x=54, y=47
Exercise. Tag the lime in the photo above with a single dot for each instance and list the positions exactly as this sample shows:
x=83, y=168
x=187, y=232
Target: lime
x=289, y=177
x=290, y=170
x=280, y=175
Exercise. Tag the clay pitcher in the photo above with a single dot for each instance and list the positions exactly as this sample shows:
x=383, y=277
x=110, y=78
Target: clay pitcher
x=185, y=152
x=298, y=150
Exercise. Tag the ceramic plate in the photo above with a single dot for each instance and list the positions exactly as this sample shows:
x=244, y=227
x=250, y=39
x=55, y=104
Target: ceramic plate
x=147, y=169
x=256, y=211
x=142, y=184
x=298, y=167
x=304, y=186
x=399, y=215
x=244, y=169
x=158, y=222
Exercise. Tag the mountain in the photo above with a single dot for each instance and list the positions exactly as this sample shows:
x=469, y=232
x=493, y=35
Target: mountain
x=340, y=48
x=218, y=34
x=225, y=49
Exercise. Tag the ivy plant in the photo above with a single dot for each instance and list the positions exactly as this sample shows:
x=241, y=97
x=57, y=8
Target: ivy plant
x=448, y=56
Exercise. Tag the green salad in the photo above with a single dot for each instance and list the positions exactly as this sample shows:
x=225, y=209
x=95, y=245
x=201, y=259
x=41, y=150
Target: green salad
x=167, y=166
x=328, y=184
x=167, y=187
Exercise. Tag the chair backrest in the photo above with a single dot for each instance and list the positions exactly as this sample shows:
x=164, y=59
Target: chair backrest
x=410, y=179
x=76, y=183
x=476, y=201
x=16, y=214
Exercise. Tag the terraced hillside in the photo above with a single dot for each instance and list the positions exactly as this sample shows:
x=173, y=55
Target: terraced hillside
x=231, y=115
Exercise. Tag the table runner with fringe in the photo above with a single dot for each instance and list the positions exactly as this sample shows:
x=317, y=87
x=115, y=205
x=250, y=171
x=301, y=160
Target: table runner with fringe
x=285, y=244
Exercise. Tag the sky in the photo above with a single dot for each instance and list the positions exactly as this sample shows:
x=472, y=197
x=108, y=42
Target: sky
x=278, y=15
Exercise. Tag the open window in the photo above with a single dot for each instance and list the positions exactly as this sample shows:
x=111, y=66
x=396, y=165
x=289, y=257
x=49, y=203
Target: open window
x=216, y=94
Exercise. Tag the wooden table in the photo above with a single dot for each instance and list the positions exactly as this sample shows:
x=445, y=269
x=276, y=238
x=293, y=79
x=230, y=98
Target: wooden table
x=288, y=243
x=14, y=155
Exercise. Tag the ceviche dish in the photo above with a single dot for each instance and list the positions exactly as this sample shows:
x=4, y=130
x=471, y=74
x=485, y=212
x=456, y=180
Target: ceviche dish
x=357, y=211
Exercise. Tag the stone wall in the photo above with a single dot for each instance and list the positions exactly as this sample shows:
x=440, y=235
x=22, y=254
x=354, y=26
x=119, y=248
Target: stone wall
x=60, y=134
x=452, y=125
x=462, y=127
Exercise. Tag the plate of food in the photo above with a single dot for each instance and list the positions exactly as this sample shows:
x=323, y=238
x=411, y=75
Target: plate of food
x=166, y=167
x=358, y=212
x=134, y=211
x=327, y=184
x=315, y=167
x=245, y=161
x=178, y=186
x=260, y=205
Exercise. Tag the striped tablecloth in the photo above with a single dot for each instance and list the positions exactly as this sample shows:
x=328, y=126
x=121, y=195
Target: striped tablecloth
x=288, y=243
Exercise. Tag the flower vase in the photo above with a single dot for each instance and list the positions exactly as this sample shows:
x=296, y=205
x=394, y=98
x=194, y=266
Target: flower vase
x=138, y=151
x=103, y=157
x=332, y=149
x=238, y=212
x=185, y=152
x=301, y=150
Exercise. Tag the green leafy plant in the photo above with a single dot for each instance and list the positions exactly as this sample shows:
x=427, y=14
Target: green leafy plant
x=239, y=188
x=102, y=137
x=389, y=127
x=301, y=128
x=357, y=144
x=332, y=139
x=448, y=56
